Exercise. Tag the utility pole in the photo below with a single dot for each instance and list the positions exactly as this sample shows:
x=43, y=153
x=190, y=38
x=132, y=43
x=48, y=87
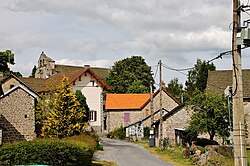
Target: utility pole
x=151, y=103
x=161, y=114
x=240, y=158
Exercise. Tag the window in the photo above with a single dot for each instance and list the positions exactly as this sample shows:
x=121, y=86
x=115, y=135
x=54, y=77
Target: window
x=93, y=115
x=126, y=117
x=11, y=86
x=93, y=82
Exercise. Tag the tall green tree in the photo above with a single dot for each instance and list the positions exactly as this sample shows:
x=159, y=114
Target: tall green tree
x=7, y=57
x=130, y=73
x=210, y=114
x=197, y=77
x=175, y=88
x=82, y=100
x=33, y=72
x=66, y=116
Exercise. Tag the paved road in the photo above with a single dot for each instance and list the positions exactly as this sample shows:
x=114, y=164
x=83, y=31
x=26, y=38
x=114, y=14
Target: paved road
x=126, y=153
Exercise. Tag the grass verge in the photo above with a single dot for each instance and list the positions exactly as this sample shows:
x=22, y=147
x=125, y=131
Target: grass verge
x=174, y=158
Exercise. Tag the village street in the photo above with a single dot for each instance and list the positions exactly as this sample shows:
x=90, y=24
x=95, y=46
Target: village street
x=124, y=153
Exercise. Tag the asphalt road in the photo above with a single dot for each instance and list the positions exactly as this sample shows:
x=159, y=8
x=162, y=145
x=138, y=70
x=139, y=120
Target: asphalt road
x=126, y=153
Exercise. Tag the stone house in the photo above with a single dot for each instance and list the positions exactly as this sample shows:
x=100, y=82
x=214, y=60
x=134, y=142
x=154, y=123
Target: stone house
x=220, y=80
x=17, y=117
x=126, y=109
x=173, y=126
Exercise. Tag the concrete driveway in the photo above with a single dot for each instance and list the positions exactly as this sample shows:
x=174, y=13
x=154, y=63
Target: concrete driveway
x=126, y=153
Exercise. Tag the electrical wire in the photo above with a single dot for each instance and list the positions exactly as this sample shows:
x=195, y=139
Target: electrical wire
x=157, y=66
x=170, y=68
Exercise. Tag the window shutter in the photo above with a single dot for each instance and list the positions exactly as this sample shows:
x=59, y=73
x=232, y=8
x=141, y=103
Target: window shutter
x=95, y=114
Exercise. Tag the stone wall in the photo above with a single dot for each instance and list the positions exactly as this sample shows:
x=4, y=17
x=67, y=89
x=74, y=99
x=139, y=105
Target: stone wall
x=116, y=118
x=167, y=103
x=178, y=120
x=7, y=85
x=17, y=116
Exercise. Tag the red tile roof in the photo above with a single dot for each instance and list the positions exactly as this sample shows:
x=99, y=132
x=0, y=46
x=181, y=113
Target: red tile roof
x=126, y=101
x=37, y=84
x=43, y=85
x=131, y=101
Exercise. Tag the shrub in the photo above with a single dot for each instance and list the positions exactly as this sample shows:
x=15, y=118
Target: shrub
x=46, y=151
x=146, y=132
x=204, y=142
x=119, y=133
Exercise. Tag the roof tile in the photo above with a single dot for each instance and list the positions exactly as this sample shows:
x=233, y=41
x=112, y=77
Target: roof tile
x=126, y=101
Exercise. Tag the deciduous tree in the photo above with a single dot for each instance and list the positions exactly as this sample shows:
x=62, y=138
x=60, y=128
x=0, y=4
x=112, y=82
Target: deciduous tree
x=175, y=88
x=7, y=57
x=33, y=72
x=210, y=114
x=128, y=74
x=197, y=77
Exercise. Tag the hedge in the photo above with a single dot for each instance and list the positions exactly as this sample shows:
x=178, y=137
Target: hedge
x=46, y=151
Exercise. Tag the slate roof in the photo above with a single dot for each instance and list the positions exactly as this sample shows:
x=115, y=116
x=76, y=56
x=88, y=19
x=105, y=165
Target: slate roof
x=219, y=80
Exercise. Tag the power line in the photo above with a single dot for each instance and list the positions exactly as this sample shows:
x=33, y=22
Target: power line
x=157, y=66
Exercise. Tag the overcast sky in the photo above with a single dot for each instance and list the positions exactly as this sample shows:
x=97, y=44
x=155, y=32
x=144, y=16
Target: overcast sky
x=99, y=32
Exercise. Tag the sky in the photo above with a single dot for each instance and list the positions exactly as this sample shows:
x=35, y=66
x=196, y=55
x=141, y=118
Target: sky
x=99, y=33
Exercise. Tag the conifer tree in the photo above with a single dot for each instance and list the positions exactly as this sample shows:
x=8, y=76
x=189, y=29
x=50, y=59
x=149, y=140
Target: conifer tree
x=66, y=116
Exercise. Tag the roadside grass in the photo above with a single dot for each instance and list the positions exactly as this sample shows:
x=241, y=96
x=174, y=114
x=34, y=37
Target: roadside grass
x=173, y=157
x=103, y=163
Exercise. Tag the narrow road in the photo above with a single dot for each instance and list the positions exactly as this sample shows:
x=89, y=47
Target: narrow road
x=126, y=153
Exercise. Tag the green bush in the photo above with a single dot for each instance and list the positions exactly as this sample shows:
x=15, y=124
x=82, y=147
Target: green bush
x=46, y=151
x=146, y=132
x=119, y=133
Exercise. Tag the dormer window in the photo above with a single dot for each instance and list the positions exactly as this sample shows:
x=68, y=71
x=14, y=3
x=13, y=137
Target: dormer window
x=12, y=86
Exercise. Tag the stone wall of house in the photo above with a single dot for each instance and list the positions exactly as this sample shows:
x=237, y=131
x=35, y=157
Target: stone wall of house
x=247, y=116
x=17, y=116
x=116, y=118
x=7, y=85
x=178, y=120
x=167, y=102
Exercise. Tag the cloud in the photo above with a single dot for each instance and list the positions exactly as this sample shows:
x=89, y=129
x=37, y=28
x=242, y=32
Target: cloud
x=102, y=32
x=94, y=63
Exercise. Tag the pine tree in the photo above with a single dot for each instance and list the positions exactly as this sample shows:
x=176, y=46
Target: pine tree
x=66, y=116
